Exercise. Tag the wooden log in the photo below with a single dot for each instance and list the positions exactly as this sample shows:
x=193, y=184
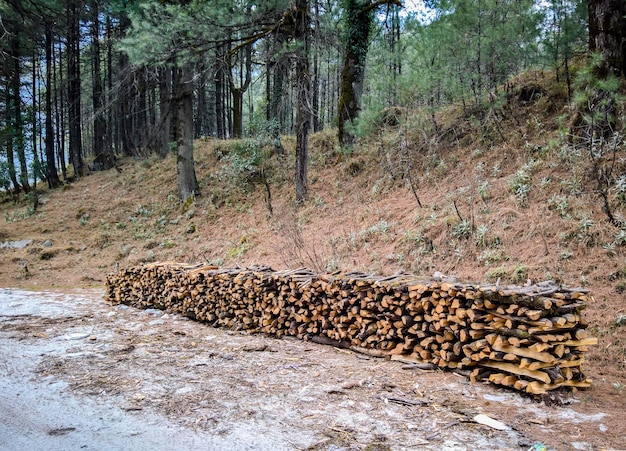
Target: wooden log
x=514, y=333
x=515, y=369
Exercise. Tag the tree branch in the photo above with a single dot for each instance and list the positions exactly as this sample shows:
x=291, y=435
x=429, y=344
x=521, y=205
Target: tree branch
x=379, y=3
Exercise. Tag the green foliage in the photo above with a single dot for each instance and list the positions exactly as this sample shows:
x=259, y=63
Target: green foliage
x=560, y=204
x=176, y=32
x=462, y=230
x=357, y=26
x=489, y=256
x=519, y=273
x=5, y=179
x=37, y=170
x=483, y=189
x=519, y=184
x=620, y=188
x=596, y=134
x=239, y=249
x=239, y=164
x=596, y=95
x=497, y=273
x=565, y=31
x=382, y=227
x=465, y=51
x=246, y=163
x=485, y=238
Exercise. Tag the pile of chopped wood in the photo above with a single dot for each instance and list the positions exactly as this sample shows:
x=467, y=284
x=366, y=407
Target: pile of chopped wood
x=530, y=338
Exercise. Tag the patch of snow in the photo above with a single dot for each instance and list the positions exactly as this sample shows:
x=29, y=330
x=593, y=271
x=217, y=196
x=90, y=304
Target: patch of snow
x=21, y=244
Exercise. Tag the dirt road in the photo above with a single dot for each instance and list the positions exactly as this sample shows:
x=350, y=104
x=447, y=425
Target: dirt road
x=76, y=373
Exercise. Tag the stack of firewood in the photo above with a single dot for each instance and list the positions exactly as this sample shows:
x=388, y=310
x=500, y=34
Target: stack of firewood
x=530, y=338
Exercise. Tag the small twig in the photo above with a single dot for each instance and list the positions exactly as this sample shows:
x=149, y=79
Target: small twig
x=410, y=179
x=406, y=402
x=457, y=211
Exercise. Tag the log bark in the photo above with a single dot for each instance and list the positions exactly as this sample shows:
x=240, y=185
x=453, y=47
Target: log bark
x=463, y=327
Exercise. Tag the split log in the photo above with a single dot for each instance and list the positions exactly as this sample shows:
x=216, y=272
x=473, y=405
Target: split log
x=529, y=338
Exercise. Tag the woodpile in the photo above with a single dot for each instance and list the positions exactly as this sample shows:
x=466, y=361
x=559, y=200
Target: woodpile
x=530, y=338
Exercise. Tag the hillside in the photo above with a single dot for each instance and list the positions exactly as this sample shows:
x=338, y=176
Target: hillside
x=484, y=195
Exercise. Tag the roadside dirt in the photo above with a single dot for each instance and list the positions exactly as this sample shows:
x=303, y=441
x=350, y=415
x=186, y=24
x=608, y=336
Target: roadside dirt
x=77, y=372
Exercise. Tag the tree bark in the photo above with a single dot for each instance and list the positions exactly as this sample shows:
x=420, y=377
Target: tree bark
x=303, y=119
x=16, y=116
x=607, y=33
x=165, y=110
x=187, y=182
x=51, y=169
x=74, y=88
x=37, y=167
x=277, y=110
x=59, y=116
x=109, y=141
x=201, y=122
x=104, y=158
x=140, y=123
x=238, y=91
x=315, y=100
x=359, y=17
x=237, y=94
x=220, y=121
x=9, y=149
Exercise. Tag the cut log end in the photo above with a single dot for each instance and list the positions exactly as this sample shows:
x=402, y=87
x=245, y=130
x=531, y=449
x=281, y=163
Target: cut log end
x=530, y=339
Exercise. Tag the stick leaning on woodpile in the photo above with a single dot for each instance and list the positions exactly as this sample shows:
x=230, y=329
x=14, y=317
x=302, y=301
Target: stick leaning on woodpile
x=530, y=338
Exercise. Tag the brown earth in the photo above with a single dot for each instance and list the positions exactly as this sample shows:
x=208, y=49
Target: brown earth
x=363, y=215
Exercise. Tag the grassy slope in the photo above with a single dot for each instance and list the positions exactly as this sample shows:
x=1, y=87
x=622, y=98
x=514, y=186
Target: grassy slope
x=362, y=214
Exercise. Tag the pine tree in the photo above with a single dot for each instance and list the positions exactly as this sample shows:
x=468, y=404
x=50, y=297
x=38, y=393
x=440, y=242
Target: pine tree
x=359, y=18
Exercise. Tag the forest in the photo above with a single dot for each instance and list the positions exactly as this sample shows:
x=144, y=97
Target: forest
x=85, y=82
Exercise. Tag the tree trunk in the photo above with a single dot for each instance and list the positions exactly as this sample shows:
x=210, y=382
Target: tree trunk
x=73, y=88
x=219, y=101
x=127, y=97
x=238, y=91
x=18, y=127
x=359, y=23
x=301, y=34
x=268, y=79
x=237, y=111
x=165, y=110
x=104, y=158
x=37, y=167
x=211, y=113
x=187, y=182
x=51, y=170
x=315, y=100
x=359, y=17
x=10, y=154
x=59, y=115
x=140, y=124
x=277, y=96
x=607, y=33
x=201, y=122
x=109, y=141
x=277, y=106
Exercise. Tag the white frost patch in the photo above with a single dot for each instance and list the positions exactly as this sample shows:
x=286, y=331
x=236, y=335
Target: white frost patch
x=577, y=417
x=75, y=336
x=21, y=244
